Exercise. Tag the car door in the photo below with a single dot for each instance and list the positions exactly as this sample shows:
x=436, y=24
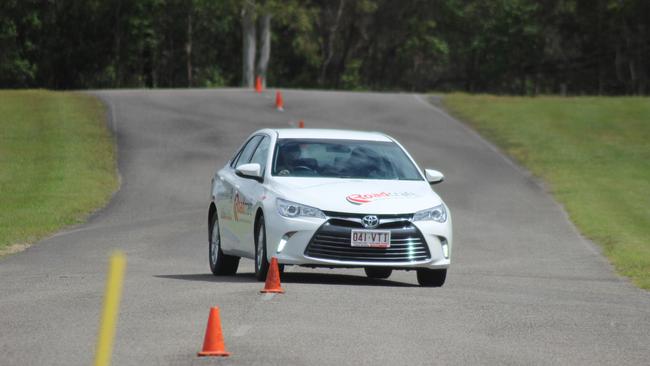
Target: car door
x=250, y=193
x=229, y=201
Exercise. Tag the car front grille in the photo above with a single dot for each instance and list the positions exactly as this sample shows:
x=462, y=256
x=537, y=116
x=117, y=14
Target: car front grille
x=332, y=241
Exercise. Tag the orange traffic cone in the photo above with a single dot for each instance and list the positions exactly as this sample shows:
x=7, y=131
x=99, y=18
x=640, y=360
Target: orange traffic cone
x=301, y=124
x=273, y=278
x=213, y=341
x=258, y=84
x=279, y=102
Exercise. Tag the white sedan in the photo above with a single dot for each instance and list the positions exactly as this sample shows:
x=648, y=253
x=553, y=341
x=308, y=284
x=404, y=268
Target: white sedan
x=328, y=198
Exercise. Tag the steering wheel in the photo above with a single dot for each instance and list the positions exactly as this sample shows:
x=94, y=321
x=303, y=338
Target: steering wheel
x=303, y=167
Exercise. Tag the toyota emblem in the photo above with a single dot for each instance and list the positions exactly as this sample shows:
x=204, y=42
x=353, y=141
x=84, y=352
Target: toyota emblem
x=370, y=221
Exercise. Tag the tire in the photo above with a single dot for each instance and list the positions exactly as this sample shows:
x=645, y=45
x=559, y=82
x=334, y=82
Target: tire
x=378, y=272
x=261, y=261
x=220, y=264
x=431, y=277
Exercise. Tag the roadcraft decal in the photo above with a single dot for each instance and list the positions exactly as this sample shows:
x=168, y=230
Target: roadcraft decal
x=241, y=207
x=362, y=198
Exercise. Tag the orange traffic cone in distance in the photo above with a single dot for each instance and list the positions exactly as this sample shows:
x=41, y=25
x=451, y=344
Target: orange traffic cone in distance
x=279, y=102
x=301, y=124
x=272, y=284
x=258, y=84
x=213, y=342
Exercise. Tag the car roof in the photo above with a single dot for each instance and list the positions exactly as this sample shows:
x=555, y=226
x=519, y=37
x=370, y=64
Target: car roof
x=319, y=133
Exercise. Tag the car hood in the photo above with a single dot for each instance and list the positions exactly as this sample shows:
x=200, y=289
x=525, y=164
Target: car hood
x=357, y=195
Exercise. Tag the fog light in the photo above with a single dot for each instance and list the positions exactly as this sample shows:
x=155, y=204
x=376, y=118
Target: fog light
x=284, y=240
x=445, y=247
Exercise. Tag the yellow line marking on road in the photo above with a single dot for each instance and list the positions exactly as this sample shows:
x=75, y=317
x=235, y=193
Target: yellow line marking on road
x=111, y=308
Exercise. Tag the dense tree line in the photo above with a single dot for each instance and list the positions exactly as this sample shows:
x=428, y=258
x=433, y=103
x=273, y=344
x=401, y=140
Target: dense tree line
x=501, y=46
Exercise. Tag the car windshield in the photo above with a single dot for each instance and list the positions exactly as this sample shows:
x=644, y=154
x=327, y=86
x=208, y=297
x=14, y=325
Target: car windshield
x=342, y=159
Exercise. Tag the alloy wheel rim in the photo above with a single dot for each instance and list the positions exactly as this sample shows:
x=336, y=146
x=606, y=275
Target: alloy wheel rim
x=260, y=248
x=214, y=244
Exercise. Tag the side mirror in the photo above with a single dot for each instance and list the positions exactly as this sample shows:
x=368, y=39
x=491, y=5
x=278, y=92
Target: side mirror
x=253, y=171
x=433, y=176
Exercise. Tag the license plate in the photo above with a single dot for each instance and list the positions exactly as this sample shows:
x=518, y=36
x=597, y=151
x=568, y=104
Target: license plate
x=371, y=238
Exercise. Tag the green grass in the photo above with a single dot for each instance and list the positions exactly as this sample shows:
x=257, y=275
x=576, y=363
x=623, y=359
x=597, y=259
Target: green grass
x=57, y=163
x=594, y=155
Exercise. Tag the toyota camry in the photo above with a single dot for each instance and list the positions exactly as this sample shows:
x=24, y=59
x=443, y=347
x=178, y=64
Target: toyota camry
x=328, y=198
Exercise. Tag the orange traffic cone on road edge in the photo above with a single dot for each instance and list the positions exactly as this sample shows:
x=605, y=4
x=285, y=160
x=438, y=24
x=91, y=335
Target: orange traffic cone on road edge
x=301, y=124
x=213, y=342
x=279, y=102
x=272, y=284
x=258, y=84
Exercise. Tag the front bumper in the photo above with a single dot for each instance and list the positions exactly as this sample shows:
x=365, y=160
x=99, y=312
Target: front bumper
x=420, y=244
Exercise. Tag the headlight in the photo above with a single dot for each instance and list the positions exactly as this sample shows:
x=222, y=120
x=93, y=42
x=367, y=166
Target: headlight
x=292, y=209
x=438, y=214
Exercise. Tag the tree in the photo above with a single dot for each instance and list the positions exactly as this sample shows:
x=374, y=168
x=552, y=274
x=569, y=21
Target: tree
x=265, y=46
x=248, y=43
x=499, y=46
x=17, y=25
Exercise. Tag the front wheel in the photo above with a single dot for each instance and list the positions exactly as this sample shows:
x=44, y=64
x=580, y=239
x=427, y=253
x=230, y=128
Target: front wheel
x=220, y=264
x=431, y=277
x=261, y=263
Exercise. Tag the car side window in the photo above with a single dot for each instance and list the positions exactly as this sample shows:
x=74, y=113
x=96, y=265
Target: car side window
x=247, y=151
x=261, y=153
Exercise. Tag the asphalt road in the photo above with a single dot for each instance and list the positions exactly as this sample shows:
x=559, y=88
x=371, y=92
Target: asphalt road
x=524, y=288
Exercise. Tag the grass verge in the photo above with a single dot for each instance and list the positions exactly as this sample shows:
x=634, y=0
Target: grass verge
x=57, y=163
x=594, y=155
